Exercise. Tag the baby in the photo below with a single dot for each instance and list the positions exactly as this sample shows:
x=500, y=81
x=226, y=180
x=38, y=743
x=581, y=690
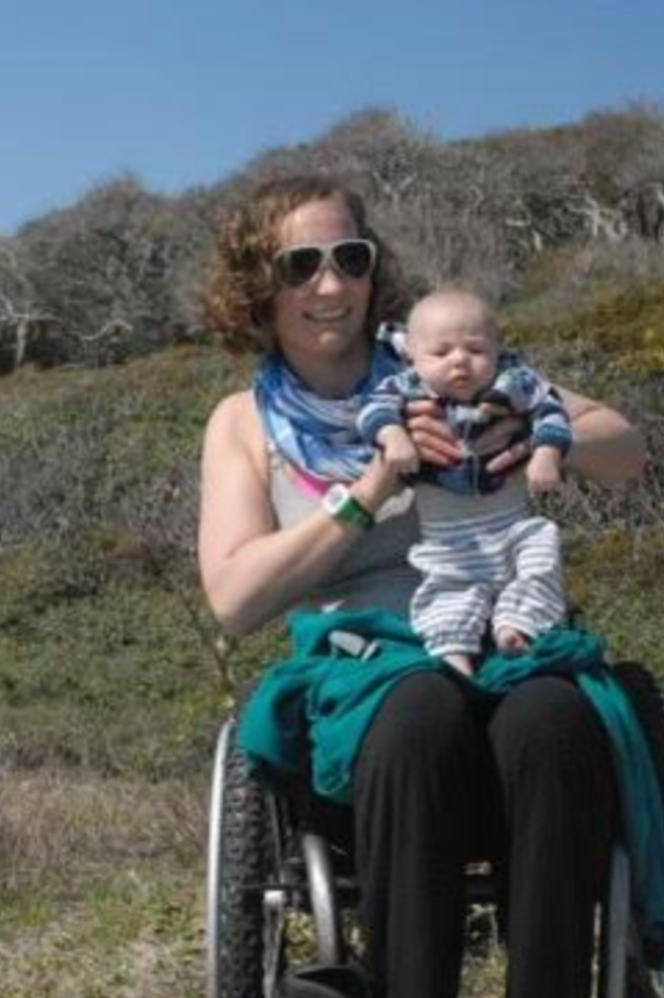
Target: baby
x=483, y=556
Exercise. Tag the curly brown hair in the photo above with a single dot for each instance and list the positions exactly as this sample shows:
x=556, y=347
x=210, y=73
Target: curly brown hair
x=242, y=283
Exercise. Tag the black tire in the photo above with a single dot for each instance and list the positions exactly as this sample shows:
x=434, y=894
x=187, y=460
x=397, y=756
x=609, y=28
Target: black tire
x=247, y=938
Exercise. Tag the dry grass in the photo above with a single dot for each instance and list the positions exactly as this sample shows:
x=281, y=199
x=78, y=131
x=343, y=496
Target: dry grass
x=55, y=823
x=102, y=887
x=102, y=890
x=76, y=953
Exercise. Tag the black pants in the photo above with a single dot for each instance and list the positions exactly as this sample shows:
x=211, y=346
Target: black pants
x=529, y=783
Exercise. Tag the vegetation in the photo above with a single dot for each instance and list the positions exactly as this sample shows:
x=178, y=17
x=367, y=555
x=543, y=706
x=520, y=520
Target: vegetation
x=112, y=682
x=117, y=274
x=113, y=679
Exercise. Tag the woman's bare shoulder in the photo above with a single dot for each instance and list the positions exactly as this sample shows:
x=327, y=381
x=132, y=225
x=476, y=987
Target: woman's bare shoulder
x=235, y=427
x=236, y=413
x=239, y=405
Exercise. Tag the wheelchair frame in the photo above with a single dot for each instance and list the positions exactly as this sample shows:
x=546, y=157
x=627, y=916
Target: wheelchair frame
x=260, y=868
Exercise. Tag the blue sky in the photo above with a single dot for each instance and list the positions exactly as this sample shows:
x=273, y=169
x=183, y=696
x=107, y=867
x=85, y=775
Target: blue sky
x=184, y=92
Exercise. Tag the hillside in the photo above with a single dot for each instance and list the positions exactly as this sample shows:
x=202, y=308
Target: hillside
x=117, y=274
x=113, y=680
x=111, y=685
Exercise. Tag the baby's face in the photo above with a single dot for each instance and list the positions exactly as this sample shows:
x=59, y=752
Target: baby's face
x=453, y=347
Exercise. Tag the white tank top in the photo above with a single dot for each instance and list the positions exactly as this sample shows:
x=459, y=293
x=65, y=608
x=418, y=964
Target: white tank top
x=375, y=572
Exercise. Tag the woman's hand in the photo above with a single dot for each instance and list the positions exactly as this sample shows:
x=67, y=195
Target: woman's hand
x=497, y=440
x=437, y=444
x=435, y=441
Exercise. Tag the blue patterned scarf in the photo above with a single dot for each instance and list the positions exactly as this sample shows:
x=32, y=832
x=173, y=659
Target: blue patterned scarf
x=318, y=434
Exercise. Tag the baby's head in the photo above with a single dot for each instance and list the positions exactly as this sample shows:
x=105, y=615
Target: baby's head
x=454, y=341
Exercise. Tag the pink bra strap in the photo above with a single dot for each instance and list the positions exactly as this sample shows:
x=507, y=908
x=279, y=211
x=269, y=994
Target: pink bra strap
x=308, y=483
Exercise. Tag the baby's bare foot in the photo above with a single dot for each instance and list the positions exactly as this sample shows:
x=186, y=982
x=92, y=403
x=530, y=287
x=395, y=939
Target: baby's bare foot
x=462, y=663
x=510, y=641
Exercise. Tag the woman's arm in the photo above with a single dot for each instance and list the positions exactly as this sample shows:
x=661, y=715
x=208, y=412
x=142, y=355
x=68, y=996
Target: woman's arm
x=251, y=569
x=607, y=448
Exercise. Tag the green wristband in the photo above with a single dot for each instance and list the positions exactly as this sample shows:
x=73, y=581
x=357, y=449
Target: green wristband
x=345, y=508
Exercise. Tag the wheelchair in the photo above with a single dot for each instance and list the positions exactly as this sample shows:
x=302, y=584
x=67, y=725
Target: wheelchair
x=264, y=871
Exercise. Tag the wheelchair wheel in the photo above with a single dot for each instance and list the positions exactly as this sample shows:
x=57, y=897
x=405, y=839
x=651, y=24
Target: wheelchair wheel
x=245, y=910
x=647, y=696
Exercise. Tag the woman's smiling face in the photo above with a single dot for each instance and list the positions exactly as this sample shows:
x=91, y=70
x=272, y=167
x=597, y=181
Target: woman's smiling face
x=323, y=319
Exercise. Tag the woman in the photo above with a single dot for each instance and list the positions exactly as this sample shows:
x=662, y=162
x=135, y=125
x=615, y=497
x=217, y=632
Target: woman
x=301, y=276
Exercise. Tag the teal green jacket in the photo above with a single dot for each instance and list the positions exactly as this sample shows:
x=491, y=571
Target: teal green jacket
x=311, y=712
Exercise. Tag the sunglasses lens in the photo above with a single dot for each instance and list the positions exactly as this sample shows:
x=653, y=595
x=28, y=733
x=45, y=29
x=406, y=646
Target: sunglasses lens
x=354, y=258
x=297, y=266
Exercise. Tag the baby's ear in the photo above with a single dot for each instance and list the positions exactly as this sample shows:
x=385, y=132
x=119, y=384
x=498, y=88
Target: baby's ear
x=395, y=335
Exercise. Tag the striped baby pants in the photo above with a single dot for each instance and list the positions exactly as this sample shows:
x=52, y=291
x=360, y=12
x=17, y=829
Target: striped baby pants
x=503, y=570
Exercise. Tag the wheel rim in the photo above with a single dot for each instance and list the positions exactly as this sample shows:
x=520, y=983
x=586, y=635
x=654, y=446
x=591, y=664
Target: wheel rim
x=274, y=941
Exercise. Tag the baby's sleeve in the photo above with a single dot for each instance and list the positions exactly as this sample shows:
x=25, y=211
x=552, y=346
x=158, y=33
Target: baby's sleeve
x=523, y=391
x=384, y=407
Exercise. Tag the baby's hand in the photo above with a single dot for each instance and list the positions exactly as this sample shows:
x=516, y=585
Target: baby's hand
x=544, y=472
x=399, y=451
